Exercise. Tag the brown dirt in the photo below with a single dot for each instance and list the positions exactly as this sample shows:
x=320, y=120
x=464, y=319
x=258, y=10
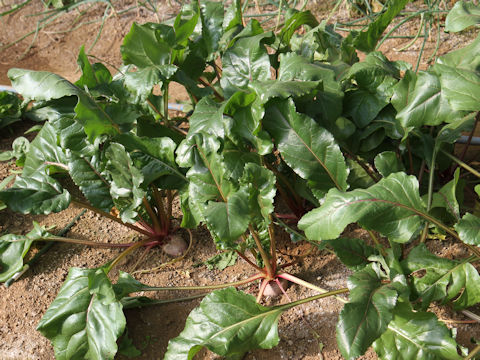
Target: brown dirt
x=306, y=332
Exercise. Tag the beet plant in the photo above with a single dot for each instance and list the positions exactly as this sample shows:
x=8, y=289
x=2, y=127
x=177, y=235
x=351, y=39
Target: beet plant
x=281, y=120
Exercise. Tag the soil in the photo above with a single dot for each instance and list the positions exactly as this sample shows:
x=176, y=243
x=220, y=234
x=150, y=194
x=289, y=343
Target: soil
x=306, y=332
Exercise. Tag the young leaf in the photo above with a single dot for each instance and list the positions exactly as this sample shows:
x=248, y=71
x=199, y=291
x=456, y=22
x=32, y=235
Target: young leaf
x=92, y=75
x=207, y=118
x=126, y=184
x=367, y=40
x=86, y=172
x=388, y=163
x=13, y=249
x=392, y=207
x=444, y=279
x=468, y=229
x=85, y=319
x=354, y=253
x=300, y=18
x=307, y=148
x=446, y=197
x=211, y=15
x=462, y=15
x=222, y=261
x=367, y=314
x=415, y=335
x=229, y=323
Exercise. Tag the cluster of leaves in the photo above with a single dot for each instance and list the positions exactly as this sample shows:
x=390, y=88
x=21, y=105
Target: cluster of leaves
x=297, y=117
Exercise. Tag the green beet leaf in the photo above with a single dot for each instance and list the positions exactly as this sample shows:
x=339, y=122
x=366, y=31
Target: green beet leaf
x=207, y=118
x=307, y=148
x=13, y=249
x=392, y=207
x=366, y=41
x=388, y=163
x=126, y=183
x=420, y=100
x=468, y=228
x=85, y=319
x=45, y=86
x=229, y=323
x=211, y=16
x=37, y=194
x=462, y=15
x=460, y=77
x=86, y=172
x=366, y=316
x=246, y=61
x=354, y=253
x=415, y=335
x=92, y=75
x=446, y=197
x=444, y=280
x=298, y=19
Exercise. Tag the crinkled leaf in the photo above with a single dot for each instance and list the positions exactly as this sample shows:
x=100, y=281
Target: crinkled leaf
x=415, y=335
x=388, y=163
x=85, y=319
x=444, y=280
x=269, y=89
x=206, y=118
x=328, y=101
x=468, y=228
x=228, y=219
x=392, y=207
x=229, y=323
x=261, y=185
x=354, y=253
x=246, y=61
x=13, y=249
x=307, y=148
x=366, y=41
x=222, y=261
x=44, y=86
x=460, y=77
x=367, y=314
x=88, y=174
x=461, y=16
x=126, y=183
x=211, y=15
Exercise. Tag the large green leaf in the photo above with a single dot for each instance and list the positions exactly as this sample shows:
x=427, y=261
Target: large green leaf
x=92, y=75
x=415, y=335
x=468, y=229
x=246, y=61
x=44, y=86
x=446, y=197
x=419, y=100
x=459, y=73
x=13, y=249
x=307, y=148
x=462, y=15
x=366, y=41
x=444, y=280
x=85, y=319
x=36, y=194
x=229, y=323
x=367, y=314
x=388, y=163
x=292, y=23
x=392, y=207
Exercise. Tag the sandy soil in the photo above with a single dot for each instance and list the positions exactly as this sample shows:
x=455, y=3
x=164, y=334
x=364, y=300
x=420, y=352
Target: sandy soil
x=306, y=332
